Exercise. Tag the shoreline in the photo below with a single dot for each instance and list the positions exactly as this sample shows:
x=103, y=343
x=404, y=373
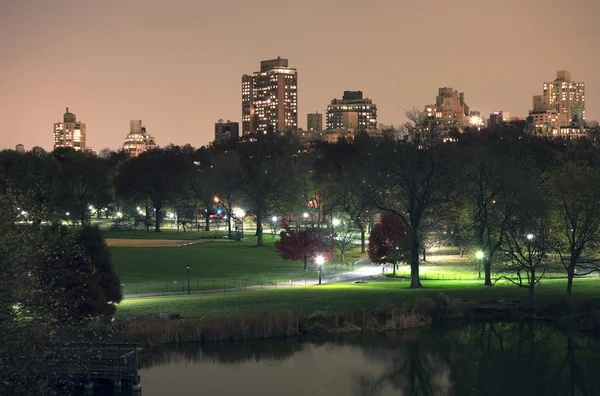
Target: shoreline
x=417, y=313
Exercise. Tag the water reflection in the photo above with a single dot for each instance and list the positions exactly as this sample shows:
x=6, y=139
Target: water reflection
x=462, y=359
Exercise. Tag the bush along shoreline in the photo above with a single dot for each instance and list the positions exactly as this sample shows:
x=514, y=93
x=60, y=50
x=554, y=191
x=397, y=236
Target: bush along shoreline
x=415, y=313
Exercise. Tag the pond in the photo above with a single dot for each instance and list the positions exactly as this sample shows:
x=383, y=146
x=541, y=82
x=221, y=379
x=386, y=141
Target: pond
x=454, y=359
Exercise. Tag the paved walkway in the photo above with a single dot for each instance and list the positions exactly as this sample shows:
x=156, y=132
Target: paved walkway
x=361, y=273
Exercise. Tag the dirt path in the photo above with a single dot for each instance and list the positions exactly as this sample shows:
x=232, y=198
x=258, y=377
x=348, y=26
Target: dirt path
x=148, y=242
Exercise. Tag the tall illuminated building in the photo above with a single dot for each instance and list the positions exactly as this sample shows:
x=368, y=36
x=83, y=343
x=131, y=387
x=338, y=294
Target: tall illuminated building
x=449, y=111
x=270, y=98
x=563, y=98
x=137, y=140
x=69, y=132
x=352, y=112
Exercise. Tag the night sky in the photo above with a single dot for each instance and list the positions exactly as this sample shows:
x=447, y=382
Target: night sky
x=177, y=64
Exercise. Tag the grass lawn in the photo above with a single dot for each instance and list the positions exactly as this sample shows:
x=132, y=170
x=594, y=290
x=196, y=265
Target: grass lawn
x=338, y=298
x=214, y=264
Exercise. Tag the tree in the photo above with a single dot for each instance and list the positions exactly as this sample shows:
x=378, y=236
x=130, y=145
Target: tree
x=410, y=178
x=343, y=238
x=389, y=241
x=347, y=172
x=577, y=218
x=83, y=183
x=94, y=247
x=227, y=181
x=303, y=244
x=266, y=172
x=485, y=190
x=157, y=175
x=527, y=238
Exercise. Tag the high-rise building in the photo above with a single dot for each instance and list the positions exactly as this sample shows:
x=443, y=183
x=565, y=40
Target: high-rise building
x=562, y=96
x=449, y=111
x=19, y=148
x=498, y=118
x=137, y=140
x=314, y=122
x=270, y=98
x=69, y=132
x=352, y=112
x=226, y=130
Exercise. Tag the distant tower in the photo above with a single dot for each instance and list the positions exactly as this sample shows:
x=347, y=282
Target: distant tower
x=270, y=98
x=352, y=112
x=70, y=133
x=19, y=148
x=314, y=122
x=137, y=140
x=226, y=130
x=565, y=96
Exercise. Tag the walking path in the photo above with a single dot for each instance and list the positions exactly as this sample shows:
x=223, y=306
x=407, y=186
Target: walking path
x=359, y=274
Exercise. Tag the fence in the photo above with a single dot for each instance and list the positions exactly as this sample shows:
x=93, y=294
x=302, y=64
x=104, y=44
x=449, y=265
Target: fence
x=258, y=281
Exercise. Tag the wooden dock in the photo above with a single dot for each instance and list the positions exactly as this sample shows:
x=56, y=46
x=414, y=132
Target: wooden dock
x=95, y=363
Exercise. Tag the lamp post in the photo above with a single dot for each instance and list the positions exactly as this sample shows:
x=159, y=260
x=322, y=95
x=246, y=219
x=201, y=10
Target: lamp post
x=273, y=224
x=479, y=256
x=188, y=270
x=320, y=260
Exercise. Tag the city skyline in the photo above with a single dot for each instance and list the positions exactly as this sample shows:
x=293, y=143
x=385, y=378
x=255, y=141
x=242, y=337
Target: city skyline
x=165, y=64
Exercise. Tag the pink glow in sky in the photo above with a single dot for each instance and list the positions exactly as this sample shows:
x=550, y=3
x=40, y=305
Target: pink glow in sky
x=177, y=64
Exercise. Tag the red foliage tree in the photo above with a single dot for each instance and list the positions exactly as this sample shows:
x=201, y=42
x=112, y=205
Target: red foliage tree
x=389, y=241
x=303, y=244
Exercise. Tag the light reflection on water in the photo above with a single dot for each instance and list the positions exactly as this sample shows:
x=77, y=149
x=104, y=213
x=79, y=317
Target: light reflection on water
x=460, y=359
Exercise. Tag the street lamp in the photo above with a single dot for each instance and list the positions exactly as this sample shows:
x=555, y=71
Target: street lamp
x=188, y=270
x=273, y=225
x=320, y=260
x=530, y=236
x=479, y=256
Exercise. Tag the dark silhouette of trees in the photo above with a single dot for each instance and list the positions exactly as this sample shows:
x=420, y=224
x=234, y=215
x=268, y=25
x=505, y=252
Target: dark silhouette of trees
x=157, y=176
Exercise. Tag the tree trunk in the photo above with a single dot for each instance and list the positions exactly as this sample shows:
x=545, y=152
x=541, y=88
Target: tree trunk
x=362, y=240
x=207, y=219
x=304, y=262
x=424, y=255
x=259, y=230
x=415, y=280
x=531, y=287
x=570, y=276
x=157, y=227
x=228, y=225
x=343, y=253
x=487, y=267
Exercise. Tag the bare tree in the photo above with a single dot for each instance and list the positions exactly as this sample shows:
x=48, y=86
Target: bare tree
x=577, y=218
x=409, y=181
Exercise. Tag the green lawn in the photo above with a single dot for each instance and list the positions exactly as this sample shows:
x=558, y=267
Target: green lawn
x=338, y=298
x=214, y=264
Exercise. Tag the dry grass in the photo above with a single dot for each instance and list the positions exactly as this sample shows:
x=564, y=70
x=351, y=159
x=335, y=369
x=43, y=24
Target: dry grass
x=153, y=332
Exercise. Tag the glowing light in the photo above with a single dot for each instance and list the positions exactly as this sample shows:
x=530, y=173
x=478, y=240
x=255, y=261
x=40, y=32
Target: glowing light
x=119, y=214
x=530, y=236
x=67, y=213
x=479, y=254
x=216, y=199
x=90, y=207
x=305, y=215
x=336, y=222
x=320, y=260
x=239, y=212
x=274, y=219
